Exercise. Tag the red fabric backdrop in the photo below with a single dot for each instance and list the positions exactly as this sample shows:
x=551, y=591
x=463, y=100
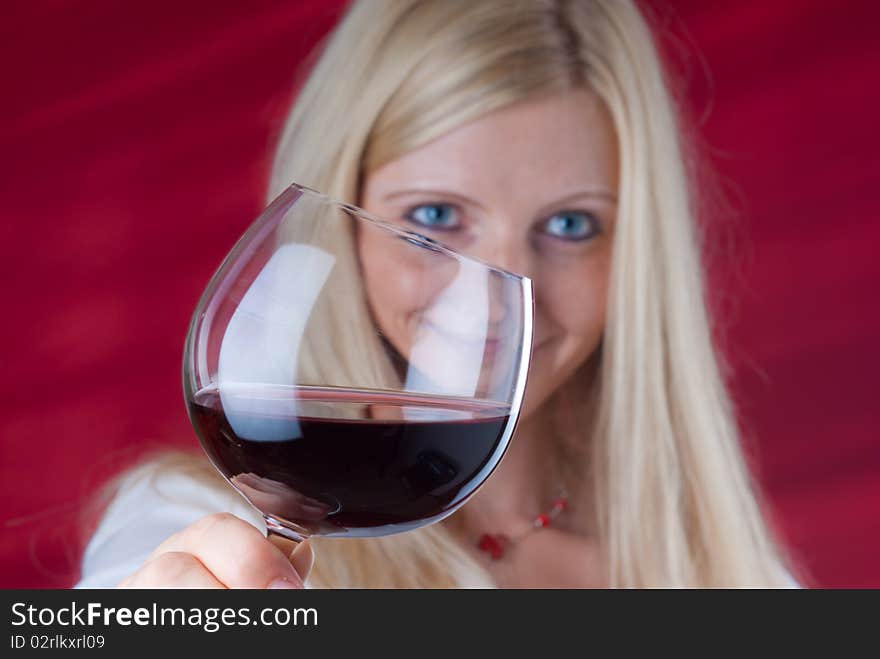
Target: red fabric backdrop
x=134, y=140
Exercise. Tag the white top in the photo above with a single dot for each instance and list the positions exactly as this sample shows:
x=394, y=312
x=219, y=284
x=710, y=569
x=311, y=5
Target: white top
x=153, y=504
x=150, y=506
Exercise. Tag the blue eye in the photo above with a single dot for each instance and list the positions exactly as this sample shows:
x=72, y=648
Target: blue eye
x=572, y=225
x=434, y=216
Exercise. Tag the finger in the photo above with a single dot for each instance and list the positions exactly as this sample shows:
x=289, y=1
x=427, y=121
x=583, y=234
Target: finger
x=235, y=552
x=284, y=545
x=172, y=570
x=299, y=554
x=302, y=559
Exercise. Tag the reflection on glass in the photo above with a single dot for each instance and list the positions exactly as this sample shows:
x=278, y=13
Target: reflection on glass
x=350, y=378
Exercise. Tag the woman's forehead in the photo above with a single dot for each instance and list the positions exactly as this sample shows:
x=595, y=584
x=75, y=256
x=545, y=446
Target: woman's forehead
x=546, y=147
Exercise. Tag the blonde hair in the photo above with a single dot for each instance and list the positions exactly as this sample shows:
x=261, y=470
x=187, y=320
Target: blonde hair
x=673, y=499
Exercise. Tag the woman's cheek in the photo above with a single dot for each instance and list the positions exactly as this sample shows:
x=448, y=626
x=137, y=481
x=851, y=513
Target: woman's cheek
x=401, y=281
x=389, y=294
x=574, y=298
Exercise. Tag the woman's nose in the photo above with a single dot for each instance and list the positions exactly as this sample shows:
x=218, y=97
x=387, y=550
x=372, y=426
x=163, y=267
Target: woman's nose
x=506, y=252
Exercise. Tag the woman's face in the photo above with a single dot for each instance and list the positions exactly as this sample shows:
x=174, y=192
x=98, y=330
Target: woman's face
x=531, y=188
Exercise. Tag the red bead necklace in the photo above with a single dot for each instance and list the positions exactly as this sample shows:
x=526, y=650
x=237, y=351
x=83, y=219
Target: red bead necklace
x=495, y=544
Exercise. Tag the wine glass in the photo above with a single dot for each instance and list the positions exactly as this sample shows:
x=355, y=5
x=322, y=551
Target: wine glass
x=350, y=377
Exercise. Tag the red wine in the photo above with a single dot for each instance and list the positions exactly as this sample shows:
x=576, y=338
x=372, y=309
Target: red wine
x=350, y=462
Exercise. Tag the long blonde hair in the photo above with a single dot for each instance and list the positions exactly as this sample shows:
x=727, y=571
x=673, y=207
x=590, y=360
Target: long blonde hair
x=673, y=499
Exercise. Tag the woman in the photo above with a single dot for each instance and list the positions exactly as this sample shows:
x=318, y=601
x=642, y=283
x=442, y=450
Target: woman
x=539, y=136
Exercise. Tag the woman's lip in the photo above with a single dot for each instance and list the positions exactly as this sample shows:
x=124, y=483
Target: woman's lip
x=474, y=340
x=490, y=344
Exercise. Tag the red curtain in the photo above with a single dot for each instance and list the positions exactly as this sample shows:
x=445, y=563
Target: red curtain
x=135, y=140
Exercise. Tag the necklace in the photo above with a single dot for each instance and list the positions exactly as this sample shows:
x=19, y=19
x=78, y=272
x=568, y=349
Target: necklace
x=495, y=544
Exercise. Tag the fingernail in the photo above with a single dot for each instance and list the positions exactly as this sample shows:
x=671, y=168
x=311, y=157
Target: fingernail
x=283, y=584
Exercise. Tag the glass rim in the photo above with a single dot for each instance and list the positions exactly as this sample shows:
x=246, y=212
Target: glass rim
x=412, y=236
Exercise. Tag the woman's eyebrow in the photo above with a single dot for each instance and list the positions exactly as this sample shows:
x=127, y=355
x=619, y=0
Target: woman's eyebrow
x=412, y=192
x=600, y=194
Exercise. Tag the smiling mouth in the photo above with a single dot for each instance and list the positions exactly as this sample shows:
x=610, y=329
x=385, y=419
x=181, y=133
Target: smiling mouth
x=490, y=343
